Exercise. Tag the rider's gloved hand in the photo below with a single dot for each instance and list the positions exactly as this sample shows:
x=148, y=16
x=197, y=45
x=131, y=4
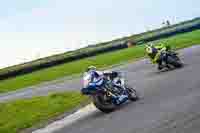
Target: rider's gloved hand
x=84, y=91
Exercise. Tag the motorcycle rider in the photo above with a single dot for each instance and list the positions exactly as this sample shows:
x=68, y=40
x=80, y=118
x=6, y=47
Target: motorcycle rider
x=154, y=53
x=96, y=75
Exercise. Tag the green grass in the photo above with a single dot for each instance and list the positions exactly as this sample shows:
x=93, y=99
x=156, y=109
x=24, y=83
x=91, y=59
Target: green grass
x=135, y=38
x=101, y=61
x=21, y=114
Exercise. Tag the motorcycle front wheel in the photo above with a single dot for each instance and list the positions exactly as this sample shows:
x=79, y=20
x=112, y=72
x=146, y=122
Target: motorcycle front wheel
x=103, y=105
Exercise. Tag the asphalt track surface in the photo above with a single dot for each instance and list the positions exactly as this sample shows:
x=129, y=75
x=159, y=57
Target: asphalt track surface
x=170, y=100
x=138, y=73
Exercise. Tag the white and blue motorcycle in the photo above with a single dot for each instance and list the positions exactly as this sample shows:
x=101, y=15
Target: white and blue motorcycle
x=106, y=92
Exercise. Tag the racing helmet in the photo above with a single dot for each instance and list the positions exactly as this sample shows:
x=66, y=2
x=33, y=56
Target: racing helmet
x=91, y=68
x=150, y=49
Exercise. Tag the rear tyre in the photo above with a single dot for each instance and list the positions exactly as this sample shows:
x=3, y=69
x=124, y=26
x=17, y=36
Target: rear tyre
x=175, y=61
x=103, y=105
x=132, y=94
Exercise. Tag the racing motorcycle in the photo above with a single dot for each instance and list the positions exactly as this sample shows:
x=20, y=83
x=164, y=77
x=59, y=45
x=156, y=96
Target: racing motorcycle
x=108, y=94
x=170, y=59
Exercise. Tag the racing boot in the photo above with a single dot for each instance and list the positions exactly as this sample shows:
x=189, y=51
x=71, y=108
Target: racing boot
x=160, y=65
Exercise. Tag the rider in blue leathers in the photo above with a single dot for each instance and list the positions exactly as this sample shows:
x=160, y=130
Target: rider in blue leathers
x=95, y=75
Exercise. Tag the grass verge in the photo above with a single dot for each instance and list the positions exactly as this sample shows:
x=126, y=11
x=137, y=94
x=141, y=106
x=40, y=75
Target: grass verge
x=21, y=114
x=101, y=61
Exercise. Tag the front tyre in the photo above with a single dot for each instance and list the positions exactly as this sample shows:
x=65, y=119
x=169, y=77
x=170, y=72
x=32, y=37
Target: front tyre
x=102, y=104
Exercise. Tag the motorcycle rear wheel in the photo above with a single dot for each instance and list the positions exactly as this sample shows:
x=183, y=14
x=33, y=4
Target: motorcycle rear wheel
x=176, y=62
x=132, y=94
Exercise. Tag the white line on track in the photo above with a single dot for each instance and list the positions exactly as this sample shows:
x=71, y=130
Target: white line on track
x=55, y=126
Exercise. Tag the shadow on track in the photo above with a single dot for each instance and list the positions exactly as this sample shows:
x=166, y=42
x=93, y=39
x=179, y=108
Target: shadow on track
x=165, y=70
